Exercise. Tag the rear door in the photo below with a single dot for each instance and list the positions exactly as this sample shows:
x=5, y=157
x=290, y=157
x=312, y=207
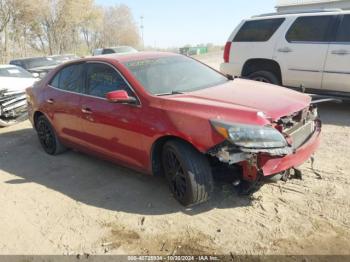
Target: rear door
x=337, y=69
x=302, y=52
x=63, y=102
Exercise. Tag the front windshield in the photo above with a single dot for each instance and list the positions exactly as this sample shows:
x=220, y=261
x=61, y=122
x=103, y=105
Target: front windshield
x=14, y=72
x=173, y=74
x=40, y=62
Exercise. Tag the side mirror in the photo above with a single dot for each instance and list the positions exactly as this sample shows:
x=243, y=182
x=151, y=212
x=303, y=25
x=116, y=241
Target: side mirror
x=120, y=97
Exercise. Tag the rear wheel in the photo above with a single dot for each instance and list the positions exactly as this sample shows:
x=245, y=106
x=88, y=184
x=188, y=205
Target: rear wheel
x=265, y=76
x=48, y=138
x=188, y=173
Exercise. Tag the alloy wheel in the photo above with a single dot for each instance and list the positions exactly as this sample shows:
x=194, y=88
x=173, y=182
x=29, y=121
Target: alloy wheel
x=175, y=174
x=46, y=136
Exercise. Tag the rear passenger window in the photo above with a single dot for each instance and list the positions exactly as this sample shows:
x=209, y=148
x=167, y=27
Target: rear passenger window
x=310, y=29
x=344, y=30
x=69, y=78
x=258, y=30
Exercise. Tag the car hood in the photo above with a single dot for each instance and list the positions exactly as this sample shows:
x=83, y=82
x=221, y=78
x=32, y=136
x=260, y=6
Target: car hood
x=16, y=83
x=250, y=96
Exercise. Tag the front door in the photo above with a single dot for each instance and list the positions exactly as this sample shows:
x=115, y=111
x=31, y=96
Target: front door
x=337, y=69
x=110, y=129
x=302, y=52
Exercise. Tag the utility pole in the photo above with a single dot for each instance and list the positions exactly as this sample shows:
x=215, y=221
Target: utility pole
x=142, y=27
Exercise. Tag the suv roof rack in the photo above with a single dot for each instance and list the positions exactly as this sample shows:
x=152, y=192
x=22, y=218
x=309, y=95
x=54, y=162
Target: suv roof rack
x=301, y=12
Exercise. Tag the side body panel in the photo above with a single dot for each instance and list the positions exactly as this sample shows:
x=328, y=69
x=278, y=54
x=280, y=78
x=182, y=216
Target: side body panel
x=64, y=112
x=113, y=130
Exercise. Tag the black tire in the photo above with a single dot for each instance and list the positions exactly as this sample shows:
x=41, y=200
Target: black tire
x=188, y=173
x=48, y=138
x=265, y=76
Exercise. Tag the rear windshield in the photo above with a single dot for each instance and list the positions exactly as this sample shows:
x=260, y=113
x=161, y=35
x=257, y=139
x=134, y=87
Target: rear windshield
x=168, y=75
x=258, y=30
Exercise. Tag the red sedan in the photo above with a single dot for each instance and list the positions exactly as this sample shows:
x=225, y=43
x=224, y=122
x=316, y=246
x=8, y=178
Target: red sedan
x=166, y=114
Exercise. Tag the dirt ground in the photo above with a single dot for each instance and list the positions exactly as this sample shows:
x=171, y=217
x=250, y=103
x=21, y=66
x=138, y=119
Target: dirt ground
x=75, y=204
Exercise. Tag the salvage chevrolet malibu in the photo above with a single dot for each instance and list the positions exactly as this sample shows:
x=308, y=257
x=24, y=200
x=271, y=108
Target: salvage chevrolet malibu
x=167, y=114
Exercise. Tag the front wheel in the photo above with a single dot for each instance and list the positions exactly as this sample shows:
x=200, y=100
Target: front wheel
x=188, y=173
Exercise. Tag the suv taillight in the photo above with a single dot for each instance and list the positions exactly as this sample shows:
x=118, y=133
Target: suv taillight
x=227, y=52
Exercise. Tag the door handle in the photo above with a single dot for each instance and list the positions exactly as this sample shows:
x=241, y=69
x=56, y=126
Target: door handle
x=340, y=52
x=284, y=50
x=86, y=110
x=50, y=101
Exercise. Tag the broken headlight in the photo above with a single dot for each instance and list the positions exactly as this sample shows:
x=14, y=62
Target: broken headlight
x=250, y=136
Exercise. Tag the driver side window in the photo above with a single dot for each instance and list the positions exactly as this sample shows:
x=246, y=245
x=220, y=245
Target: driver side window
x=102, y=79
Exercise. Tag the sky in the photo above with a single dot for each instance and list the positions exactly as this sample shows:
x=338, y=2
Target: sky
x=174, y=23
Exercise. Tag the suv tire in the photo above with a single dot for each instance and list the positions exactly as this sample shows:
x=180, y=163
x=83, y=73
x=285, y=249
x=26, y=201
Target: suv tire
x=265, y=76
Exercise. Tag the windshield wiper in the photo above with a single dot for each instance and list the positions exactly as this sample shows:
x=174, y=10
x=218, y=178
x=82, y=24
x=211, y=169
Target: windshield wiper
x=171, y=93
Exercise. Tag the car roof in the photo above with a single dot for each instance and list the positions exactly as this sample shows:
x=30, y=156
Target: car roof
x=300, y=13
x=122, y=58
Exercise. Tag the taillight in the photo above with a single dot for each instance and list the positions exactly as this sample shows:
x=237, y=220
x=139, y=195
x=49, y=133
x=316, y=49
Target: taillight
x=227, y=52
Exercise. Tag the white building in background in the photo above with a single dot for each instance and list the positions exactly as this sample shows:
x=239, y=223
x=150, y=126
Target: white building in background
x=301, y=5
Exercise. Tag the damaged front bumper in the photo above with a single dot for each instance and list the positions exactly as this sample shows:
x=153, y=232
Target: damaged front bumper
x=271, y=165
x=12, y=105
x=268, y=162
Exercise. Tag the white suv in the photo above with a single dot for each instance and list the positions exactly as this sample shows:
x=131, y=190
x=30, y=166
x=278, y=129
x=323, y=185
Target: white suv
x=298, y=50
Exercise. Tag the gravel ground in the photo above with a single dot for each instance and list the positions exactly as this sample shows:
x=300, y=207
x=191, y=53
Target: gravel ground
x=75, y=204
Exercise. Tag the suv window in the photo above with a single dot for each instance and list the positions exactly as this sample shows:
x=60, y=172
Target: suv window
x=102, y=79
x=107, y=51
x=69, y=78
x=258, y=30
x=310, y=29
x=344, y=30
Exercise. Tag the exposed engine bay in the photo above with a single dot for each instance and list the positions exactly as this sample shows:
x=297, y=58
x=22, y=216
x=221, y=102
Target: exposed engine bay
x=296, y=129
